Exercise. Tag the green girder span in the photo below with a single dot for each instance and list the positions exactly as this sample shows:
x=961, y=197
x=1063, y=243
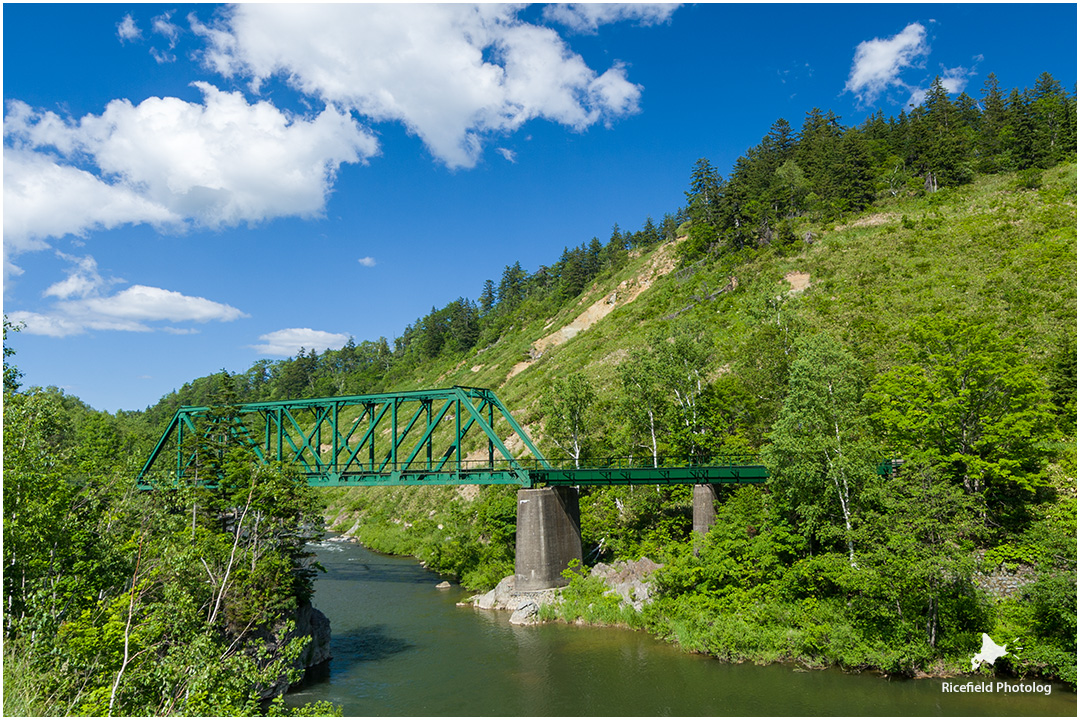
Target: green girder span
x=319, y=439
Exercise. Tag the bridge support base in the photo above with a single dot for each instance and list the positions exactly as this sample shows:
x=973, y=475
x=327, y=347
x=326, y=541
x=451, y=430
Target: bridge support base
x=548, y=537
x=704, y=508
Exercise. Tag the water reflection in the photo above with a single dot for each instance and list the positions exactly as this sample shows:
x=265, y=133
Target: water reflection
x=369, y=644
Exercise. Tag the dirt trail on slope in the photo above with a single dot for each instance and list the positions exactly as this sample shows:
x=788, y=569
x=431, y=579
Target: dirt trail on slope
x=661, y=263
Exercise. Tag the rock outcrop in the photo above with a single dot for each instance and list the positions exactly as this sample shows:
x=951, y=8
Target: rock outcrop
x=310, y=622
x=628, y=580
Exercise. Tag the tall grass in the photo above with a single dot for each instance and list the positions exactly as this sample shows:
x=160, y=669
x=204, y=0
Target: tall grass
x=26, y=689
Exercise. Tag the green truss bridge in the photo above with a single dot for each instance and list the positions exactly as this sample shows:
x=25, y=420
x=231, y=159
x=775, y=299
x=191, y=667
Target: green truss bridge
x=404, y=438
x=427, y=437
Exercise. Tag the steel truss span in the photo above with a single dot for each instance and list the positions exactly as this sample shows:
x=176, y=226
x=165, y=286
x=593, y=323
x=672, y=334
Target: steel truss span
x=406, y=438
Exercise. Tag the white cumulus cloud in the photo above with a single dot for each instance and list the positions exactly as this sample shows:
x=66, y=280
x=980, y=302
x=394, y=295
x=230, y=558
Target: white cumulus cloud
x=169, y=162
x=289, y=341
x=454, y=75
x=878, y=63
x=367, y=261
x=45, y=198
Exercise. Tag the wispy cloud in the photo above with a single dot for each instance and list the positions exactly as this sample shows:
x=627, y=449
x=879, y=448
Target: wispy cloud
x=507, y=153
x=164, y=26
x=143, y=303
x=588, y=17
x=82, y=304
x=131, y=310
x=127, y=30
x=83, y=279
x=878, y=63
x=289, y=341
x=954, y=80
x=367, y=261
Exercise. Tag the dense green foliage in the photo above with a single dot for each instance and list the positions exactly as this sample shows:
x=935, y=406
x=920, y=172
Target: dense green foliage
x=122, y=602
x=904, y=289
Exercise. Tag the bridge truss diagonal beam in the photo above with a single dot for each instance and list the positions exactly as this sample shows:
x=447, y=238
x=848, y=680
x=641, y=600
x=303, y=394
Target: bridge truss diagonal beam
x=359, y=439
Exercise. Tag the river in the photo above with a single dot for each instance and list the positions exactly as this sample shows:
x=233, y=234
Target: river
x=402, y=647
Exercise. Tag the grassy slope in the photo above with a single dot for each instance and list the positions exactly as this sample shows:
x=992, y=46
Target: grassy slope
x=990, y=251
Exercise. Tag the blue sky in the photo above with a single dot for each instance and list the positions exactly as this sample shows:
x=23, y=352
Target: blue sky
x=190, y=188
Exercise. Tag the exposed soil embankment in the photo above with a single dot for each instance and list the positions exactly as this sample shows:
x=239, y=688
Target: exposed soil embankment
x=661, y=263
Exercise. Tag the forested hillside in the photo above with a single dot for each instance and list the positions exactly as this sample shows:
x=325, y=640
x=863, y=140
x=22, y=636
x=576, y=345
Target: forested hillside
x=902, y=289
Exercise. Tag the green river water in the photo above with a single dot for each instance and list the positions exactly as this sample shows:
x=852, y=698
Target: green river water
x=402, y=647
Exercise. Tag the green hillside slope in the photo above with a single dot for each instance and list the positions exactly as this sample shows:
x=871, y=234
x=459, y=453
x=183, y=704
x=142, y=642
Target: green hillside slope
x=996, y=253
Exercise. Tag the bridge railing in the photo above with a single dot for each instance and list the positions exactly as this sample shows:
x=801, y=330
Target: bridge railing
x=647, y=471
x=529, y=472
x=623, y=462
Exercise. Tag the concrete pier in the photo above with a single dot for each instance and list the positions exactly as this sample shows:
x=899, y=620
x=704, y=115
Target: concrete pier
x=548, y=537
x=704, y=508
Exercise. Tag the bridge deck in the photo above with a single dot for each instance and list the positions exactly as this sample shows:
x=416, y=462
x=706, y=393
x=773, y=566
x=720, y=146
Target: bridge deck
x=742, y=470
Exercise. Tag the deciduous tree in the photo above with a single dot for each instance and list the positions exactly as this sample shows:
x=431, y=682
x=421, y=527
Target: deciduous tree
x=967, y=403
x=565, y=405
x=822, y=451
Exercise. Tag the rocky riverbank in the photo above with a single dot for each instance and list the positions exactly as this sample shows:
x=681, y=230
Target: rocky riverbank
x=629, y=581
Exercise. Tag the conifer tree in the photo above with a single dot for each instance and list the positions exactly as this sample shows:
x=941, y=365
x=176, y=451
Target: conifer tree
x=1020, y=138
x=512, y=287
x=1049, y=108
x=990, y=140
x=487, y=297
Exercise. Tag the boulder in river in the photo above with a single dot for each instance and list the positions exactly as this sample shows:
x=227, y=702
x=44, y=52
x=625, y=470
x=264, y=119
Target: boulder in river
x=525, y=614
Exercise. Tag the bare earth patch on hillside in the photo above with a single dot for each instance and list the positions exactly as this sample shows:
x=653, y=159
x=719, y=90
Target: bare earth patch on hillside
x=799, y=281
x=661, y=263
x=870, y=220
